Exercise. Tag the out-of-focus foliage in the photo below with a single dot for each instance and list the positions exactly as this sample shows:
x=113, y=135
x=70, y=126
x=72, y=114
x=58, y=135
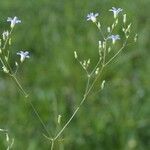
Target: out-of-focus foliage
x=51, y=30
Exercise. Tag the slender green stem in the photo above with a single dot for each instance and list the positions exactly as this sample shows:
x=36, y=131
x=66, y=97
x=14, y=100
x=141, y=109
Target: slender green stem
x=76, y=110
x=92, y=72
x=112, y=58
x=10, y=69
x=2, y=61
x=93, y=83
x=87, y=91
x=60, y=132
x=102, y=34
x=26, y=95
x=16, y=70
x=111, y=29
x=52, y=144
x=85, y=69
x=78, y=107
x=88, y=82
x=19, y=85
x=37, y=114
x=104, y=55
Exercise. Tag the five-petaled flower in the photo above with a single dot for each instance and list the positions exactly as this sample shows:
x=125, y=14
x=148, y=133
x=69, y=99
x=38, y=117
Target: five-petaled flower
x=13, y=21
x=92, y=17
x=114, y=38
x=116, y=11
x=23, y=55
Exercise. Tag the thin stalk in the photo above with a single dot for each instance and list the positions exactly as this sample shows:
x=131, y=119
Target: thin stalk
x=52, y=144
x=2, y=61
x=19, y=85
x=26, y=95
x=112, y=58
x=92, y=85
x=101, y=32
x=37, y=114
x=77, y=109
x=85, y=69
x=9, y=67
x=88, y=82
x=104, y=56
x=92, y=72
x=111, y=29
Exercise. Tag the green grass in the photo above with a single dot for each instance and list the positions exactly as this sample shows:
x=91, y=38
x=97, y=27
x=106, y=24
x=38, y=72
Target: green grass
x=117, y=118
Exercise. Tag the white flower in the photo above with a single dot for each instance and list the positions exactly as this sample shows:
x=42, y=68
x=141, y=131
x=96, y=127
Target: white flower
x=23, y=55
x=116, y=11
x=92, y=17
x=13, y=21
x=114, y=38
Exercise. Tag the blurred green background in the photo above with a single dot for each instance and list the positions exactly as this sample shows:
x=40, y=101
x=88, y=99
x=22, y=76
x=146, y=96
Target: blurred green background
x=117, y=118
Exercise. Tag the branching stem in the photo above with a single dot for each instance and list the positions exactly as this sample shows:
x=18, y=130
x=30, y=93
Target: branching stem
x=87, y=91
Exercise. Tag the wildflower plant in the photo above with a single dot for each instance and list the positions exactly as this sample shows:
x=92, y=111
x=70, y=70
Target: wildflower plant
x=5, y=54
x=108, y=50
x=106, y=45
x=5, y=59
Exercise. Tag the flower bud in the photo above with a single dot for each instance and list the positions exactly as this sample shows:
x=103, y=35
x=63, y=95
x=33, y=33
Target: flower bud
x=124, y=18
x=135, y=38
x=59, y=119
x=16, y=64
x=97, y=70
x=5, y=69
x=103, y=84
x=108, y=29
x=100, y=44
x=75, y=55
x=98, y=25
